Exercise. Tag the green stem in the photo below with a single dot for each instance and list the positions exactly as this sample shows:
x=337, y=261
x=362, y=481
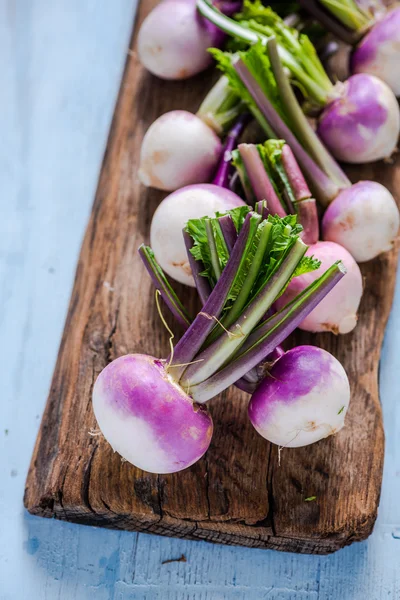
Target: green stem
x=216, y=355
x=220, y=107
x=236, y=30
x=162, y=284
x=300, y=125
x=251, y=278
x=348, y=13
x=213, y=249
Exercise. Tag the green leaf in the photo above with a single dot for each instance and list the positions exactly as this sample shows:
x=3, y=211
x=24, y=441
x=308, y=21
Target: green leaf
x=201, y=249
x=249, y=256
x=271, y=154
x=283, y=234
x=307, y=265
x=341, y=410
x=310, y=499
x=257, y=61
x=297, y=52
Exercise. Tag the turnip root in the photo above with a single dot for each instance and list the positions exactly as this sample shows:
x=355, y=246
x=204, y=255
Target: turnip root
x=147, y=418
x=304, y=400
x=364, y=219
x=178, y=149
x=190, y=202
x=378, y=52
x=362, y=124
x=338, y=311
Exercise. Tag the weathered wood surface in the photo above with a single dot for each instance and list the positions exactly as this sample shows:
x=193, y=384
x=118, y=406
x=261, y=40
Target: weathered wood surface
x=238, y=494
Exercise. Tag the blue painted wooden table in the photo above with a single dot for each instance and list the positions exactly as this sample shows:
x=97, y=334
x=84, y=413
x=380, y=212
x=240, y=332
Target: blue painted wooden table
x=60, y=64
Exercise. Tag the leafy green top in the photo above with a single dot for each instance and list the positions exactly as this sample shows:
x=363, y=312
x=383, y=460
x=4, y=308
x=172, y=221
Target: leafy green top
x=278, y=235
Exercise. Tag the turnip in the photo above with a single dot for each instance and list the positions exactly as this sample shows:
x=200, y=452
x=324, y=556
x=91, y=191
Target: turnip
x=173, y=40
x=372, y=27
x=378, y=51
x=146, y=407
x=181, y=148
x=362, y=124
x=338, y=311
x=360, y=119
x=303, y=400
x=364, y=219
x=147, y=418
x=190, y=202
x=178, y=149
x=267, y=91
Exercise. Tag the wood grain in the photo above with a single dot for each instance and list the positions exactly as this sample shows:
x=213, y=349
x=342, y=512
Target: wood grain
x=239, y=493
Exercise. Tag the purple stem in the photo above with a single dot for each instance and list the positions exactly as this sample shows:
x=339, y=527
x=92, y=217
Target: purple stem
x=306, y=207
x=162, y=285
x=259, y=180
x=225, y=168
x=326, y=189
x=246, y=386
x=285, y=321
x=202, y=285
x=296, y=179
x=308, y=218
x=193, y=339
x=262, y=209
x=221, y=351
x=228, y=231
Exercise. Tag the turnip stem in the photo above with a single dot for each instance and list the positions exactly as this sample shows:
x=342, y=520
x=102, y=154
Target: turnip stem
x=202, y=285
x=329, y=22
x=305, y=205
x=245, y=34
x=262, y=209
x=285, y=322
x=220, y=107
x=251, y=277
x=228, y=231
x=308, y=217
x=325, y=189
x=161, y=283
x=225, y=168
x=299, y=186
x=213, y=250
x=302, y=128
x=193, y=339
x=222, y=349
x=259, y=180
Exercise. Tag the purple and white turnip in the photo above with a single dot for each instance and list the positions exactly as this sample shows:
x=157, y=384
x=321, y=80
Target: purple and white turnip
x=303, y=400
x=178, y=149
x=181, y=148
x=173, y=39
x=337, y=312
x=378, y=52
x=171, y=216
x=147, y=418
x=364, y=219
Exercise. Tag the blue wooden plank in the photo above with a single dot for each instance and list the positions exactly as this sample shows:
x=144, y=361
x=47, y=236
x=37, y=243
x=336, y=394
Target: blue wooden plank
x=60, y=64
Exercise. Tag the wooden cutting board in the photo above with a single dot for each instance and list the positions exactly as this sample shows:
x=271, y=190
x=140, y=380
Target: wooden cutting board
x=238, y=493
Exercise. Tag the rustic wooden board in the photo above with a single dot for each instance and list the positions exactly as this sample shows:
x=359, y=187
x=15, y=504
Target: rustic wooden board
x=238, y=493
